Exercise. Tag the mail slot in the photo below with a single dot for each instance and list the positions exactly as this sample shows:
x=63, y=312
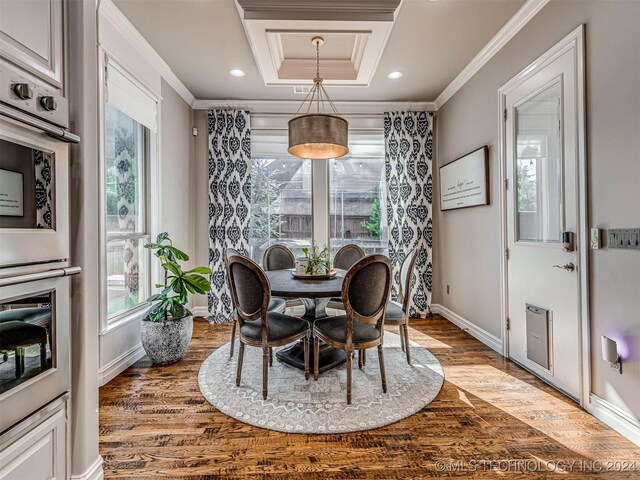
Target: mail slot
x=538, y=335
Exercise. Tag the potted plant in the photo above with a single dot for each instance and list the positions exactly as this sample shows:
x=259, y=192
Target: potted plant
x=168, y=325
x=317, y=261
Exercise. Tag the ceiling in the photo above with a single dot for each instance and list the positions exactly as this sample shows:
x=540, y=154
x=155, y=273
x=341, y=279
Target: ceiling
x=431, y=42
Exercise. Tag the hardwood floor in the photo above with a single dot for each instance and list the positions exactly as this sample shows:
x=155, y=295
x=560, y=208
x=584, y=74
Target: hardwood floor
x=154, y=422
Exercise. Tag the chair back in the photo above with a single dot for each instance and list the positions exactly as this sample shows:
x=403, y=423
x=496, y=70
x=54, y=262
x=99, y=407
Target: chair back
x=406, y=275
x=250, y=290
x=366, y=288
x=278, y=257
x=347, y=256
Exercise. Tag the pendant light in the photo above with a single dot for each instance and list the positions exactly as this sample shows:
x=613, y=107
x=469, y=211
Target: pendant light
x=318, y=135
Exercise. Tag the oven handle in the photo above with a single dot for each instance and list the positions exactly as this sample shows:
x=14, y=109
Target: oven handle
x=33, y=277
x=58, y=133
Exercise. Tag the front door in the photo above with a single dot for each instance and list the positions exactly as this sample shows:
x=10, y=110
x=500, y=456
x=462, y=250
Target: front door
x=541, y=138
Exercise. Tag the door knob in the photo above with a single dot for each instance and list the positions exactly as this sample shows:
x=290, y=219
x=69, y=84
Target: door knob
x=569, y=267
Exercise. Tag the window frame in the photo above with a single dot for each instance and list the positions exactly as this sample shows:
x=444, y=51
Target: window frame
x=149, y=149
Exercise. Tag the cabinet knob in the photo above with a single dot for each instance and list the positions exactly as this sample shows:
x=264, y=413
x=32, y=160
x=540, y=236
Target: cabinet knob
x=48, y=103
x=24, y=91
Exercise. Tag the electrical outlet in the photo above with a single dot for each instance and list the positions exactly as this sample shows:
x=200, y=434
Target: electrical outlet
x=594, y=240
x=447, y=289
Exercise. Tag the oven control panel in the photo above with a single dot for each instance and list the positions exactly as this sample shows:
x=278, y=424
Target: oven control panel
x=21, y=90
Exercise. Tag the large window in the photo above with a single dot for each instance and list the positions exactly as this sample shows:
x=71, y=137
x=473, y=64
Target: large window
x=130, y=123
x=357, y=197
x=281, y=204
x=126, y=222
x=344, y=198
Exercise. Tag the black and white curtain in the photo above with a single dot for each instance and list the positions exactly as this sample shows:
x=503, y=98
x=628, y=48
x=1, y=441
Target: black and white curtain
x=44, y=189
x=408, y=139
x=229, y=200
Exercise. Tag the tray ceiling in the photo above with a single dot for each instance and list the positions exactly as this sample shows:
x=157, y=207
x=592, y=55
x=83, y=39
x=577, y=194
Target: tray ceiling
x=430, y=42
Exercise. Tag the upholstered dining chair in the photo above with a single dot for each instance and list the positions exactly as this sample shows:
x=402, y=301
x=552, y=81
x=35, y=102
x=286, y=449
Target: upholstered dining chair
x=276, y=304
x=344, y=259
x=365, y=291
x=251, y=293
x=279, y=257
x=397, y=313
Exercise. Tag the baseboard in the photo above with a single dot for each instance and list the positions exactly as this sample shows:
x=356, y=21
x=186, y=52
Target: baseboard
x=200, y=311
x=472, y=329
x=94, y=472
x=616, y=418
x=120, y=364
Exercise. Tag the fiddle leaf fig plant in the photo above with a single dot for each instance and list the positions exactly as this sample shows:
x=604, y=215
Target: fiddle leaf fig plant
x=178, y=283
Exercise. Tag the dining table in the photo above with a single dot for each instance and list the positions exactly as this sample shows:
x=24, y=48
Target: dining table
x=315, y=294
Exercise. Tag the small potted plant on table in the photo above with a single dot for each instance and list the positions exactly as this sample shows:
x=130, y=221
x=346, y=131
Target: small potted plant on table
x=168, y=326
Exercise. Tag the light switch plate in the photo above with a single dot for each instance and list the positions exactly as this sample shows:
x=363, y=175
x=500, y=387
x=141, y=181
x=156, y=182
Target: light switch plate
x=628, y=238
x=594, y=239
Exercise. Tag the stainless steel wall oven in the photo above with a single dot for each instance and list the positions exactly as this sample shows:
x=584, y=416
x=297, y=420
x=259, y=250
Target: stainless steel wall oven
x=34, y=246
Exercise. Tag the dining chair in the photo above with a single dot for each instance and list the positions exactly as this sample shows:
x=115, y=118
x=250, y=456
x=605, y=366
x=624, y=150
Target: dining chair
x=251, y=293
x=397, y=313
x=279, y=257
x=344, y=260
x=276, y=304
x=365, y=291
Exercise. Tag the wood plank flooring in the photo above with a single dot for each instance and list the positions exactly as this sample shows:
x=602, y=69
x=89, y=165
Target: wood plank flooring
x=492, y=419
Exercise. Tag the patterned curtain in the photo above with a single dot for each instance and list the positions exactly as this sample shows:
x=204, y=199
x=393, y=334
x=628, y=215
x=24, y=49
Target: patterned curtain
x=408, y=140
x=229, y=200
x=44, y=186
x=125, y=153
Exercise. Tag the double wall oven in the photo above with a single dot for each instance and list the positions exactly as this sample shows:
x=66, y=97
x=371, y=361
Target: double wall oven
x=35, y=268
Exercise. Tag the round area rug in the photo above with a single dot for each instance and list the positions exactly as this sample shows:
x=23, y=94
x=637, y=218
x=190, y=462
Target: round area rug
x=306, y=406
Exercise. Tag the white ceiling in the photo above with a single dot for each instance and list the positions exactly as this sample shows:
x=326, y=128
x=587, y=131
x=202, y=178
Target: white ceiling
x=431, y=42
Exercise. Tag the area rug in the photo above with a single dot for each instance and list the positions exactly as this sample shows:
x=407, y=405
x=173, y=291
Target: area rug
x=296, y=405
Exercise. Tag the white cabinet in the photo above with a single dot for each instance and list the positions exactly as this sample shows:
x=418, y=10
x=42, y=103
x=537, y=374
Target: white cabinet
x=31, y=36
x=36, y=449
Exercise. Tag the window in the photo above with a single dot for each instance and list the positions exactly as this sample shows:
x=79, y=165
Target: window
x=280, y=204
x=357, y=197
x=129, y=122
x=290, y=195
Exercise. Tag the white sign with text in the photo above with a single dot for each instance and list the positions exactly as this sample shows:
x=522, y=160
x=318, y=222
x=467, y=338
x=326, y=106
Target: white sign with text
x=463, y=182
x=11, y=194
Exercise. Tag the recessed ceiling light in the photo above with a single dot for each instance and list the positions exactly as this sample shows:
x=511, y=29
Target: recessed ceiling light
x=236, y=72
x=395, y=75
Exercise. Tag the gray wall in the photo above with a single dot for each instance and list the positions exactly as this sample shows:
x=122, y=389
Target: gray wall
x=177, y=195
x=201, y=178
x=467, y=247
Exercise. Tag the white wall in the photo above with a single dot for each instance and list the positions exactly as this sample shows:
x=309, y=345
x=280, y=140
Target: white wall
x=467, y=241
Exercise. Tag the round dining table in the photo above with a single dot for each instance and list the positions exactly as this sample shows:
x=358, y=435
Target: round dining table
x=315, y=295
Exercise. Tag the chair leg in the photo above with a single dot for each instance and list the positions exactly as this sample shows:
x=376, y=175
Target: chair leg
x=383, y=374
x=270, y=356
x=316, y=357
x=364, y=358
x=360, y=359
x=240, y=358
x=401, y=338
x=233, y=338
x=405, y=333
x=349, y=357
x=43, y=356
x=306, y=357
x=16, y=357
x=265, y=371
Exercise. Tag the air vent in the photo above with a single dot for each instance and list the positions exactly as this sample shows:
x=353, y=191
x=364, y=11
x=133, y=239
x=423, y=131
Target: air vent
x=301, y=89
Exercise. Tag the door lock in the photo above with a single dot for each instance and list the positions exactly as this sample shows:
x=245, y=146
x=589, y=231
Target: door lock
x=569, y=267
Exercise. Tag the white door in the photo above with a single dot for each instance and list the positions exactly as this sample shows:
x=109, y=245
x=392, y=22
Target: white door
x=543, y=284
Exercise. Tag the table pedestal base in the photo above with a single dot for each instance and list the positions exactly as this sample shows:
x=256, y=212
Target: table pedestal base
x=315, y=309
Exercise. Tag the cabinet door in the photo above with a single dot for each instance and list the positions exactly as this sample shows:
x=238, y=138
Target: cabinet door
x=31, y=35
x=38, y=455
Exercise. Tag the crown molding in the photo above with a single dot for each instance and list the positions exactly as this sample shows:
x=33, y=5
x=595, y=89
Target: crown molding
x=137, y=41
x=499, y=40
x=289, y=107
x=342, y=10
